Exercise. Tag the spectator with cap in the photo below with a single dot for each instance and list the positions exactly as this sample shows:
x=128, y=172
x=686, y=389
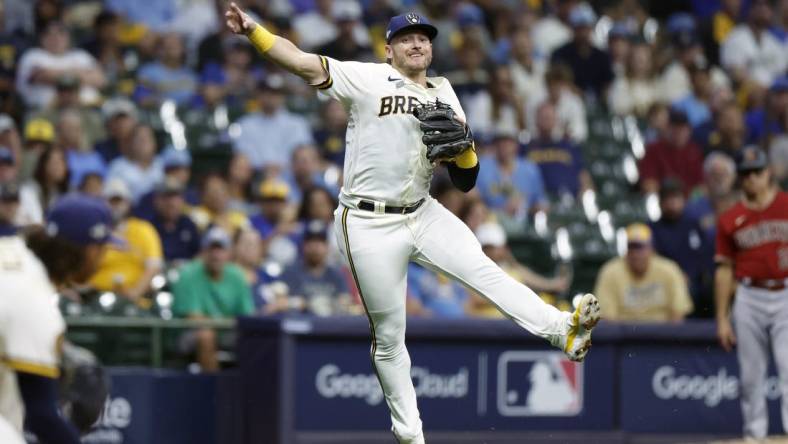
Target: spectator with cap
x=29, y=211
x=214, y=208
x=492, y=238
x=129, y=264
x=138, y=168
x=642, y=286
x=314, y=285
x=39, y=136
x=212, y=90
x=345, y=46
x=211, y=287
x=591, y=67
x=169, y=78
x=269, y=136
x=636, y=88
x=9, y=207
x=570, y=109
x=106, y=47
x=120, y=119
x=510, y=185
x=67, y=97
x=180, y=238
x=620, y=40
x=675, y=155
x=771, y=119
x=719, y=178
x=559, y=160
x=41, y=67
x=319, y=26
x=750, y=53
x=79, y=156
x=272, y=194
x=678, y=236
x=674, y=82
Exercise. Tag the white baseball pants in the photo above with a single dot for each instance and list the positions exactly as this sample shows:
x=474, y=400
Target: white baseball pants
x=378, y=247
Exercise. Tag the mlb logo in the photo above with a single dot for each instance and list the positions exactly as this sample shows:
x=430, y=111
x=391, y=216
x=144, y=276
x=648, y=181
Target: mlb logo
x=539, y=383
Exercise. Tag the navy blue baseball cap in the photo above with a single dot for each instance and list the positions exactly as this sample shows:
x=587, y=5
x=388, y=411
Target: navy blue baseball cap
x=751, y=158
x=81, y=219
x=411, y=20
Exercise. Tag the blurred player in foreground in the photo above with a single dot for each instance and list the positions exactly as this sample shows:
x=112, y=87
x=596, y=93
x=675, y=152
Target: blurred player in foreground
x=387, y=218
x=752, y=249
x=31, y=326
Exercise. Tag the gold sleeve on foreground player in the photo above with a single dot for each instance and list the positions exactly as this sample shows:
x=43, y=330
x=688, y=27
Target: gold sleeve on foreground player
x=277, y=49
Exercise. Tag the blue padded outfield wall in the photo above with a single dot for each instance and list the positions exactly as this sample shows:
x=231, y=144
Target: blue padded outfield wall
x=314, y=375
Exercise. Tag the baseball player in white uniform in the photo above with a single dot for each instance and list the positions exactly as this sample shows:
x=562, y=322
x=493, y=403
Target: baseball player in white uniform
x=386, y=216
x=31, y=326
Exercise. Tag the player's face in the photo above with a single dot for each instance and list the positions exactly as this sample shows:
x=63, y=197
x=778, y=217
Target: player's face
x=755, y=181
x=410, y=51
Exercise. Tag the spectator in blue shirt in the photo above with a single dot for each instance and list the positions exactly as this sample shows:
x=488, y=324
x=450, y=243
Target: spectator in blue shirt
x=79, y=160
x=769, y=120
x=560, y=161
x=719, y=178
x=268, y=137
x=168, y=78
x=138, y=168
x=510, y=185
x=305, y=172
x=272, y=194
x=679, y=237
x=696, y=103
x=435, y=294
x=180, y=238
x=316, y=286
x=120, y=118
x=155, y=14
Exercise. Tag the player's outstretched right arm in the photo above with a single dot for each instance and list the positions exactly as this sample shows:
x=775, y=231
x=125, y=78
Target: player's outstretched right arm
x=275, y=48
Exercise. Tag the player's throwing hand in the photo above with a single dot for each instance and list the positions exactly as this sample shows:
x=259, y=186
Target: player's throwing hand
x=238, y=21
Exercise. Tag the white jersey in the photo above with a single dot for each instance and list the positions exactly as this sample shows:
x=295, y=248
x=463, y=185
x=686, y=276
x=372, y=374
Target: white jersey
x=385, y=159
x=31, y=326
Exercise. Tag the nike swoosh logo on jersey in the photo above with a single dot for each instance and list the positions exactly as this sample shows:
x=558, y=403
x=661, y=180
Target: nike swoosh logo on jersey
x=739, y=220
x=393, y=80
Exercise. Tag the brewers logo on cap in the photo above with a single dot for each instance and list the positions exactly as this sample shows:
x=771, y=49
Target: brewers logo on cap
x=412, y=17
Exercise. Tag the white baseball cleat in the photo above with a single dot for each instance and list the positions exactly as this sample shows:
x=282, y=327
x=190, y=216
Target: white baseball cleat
x=577, y=340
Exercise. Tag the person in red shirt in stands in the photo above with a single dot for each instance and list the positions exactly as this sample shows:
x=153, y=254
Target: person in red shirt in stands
x=673, y=156
x=752, y=249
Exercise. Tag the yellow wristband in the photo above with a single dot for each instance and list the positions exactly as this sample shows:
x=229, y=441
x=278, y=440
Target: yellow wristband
x=261, y=38
x=467, y=159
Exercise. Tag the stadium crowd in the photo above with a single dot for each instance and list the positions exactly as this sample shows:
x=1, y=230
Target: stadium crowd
x=608, y=135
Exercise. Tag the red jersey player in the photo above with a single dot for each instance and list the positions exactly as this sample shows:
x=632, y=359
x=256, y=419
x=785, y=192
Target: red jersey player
x=752, y=250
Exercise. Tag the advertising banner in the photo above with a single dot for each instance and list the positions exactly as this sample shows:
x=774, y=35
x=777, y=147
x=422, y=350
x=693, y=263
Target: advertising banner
x=691, y=389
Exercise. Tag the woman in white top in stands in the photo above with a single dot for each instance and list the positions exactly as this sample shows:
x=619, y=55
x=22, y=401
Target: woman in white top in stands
x=636, y=90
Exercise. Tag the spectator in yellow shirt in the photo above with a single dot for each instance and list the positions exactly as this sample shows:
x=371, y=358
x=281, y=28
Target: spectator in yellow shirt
x=135, y=257
x=642, y=286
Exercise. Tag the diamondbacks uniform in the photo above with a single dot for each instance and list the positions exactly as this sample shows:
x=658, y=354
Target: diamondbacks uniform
x=31, y=327
x=755, y=242
x=386, y=218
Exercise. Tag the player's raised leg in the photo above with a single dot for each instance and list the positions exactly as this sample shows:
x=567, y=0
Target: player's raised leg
x=446, y=244
x=377, y=248
x=752, y=349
